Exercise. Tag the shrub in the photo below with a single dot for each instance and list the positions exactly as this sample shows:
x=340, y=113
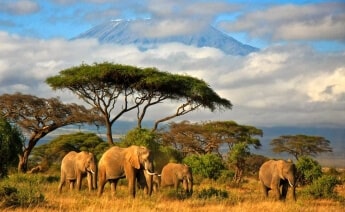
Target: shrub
x=226, y=176
x=208, y=165
x=308, y=170
x=212, y=192
x=323, y=187
x=20, y=191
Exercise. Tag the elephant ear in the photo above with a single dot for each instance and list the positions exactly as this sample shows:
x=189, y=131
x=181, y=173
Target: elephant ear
x=132, y=157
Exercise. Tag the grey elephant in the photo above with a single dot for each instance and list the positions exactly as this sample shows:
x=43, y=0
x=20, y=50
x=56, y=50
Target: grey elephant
x=278, y=175
x=129, y=163
x=174, y=173
x=76, y=165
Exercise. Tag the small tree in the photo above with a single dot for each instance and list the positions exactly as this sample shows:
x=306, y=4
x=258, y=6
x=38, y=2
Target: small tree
x=237, y=157
x=301, y=145
x=208, y=165
x=11, y=143
x=308, y=170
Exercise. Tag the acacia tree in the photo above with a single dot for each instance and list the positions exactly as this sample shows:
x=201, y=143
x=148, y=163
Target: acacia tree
x=39, y=116
x=209, y=137
x=300, y=145
x=115, y=89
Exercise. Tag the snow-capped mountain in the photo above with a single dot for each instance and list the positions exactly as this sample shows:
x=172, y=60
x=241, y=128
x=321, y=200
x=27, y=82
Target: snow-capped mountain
x=121, y=32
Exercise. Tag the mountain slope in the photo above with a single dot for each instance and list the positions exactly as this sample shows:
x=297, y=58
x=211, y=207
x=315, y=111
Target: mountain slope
x=120, y=32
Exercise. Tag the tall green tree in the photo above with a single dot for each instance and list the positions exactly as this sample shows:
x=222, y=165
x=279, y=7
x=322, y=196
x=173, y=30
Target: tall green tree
x=301, y=145
x=116, y=89
x=11, y=143
x=39, y=116
x=209, y=137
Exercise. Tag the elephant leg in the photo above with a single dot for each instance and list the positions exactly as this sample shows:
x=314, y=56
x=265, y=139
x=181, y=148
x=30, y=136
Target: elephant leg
x=131, y=186
x=79, y=182
x=113, y=185
x=264, y=189
x=62, y=182
x=101, y=184
x=71, y=184
x=176, y=182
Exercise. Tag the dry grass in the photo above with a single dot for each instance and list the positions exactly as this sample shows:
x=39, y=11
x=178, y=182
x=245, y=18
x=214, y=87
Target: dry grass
x=246, y=198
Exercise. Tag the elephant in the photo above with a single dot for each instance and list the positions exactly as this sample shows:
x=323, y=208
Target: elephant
x=75, y=166
x=277, y=175
x=129, y=163
x=174, y=173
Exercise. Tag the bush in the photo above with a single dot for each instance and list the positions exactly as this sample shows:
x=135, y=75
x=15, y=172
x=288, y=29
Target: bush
x=226, y=176
x=308, y=170
x=11, y=143
x=323, y=187
x=20, y=191
x=208, y=166
x=212, y=192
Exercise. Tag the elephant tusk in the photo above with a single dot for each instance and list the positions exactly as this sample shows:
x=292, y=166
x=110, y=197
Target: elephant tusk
x=150, y=173
x=92, y=171
x=290, y=184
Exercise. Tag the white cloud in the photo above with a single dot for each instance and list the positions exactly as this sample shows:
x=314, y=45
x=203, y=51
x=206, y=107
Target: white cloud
x=327, y=87
x=19, y=7
x=322, y=21
x=280, y=85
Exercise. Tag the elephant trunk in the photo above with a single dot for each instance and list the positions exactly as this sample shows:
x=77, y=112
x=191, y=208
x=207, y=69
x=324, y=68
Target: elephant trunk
x=293, y=187
x=94, y=180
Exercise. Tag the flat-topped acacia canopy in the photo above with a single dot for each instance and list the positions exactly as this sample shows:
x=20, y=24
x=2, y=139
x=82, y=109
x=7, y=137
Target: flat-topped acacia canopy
x=102, y=85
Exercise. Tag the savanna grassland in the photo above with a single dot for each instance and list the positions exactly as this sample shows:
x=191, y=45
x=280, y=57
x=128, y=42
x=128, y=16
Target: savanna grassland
x=246, y=197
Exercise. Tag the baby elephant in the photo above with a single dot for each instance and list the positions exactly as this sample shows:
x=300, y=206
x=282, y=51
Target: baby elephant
x=174, y=173
x=74, y=166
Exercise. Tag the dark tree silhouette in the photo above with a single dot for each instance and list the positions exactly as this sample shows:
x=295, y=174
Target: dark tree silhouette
x=301, y=145
x=207, y=137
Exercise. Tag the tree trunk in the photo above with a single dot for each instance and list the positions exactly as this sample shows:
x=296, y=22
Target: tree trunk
x=109, y=133
x=23, y=161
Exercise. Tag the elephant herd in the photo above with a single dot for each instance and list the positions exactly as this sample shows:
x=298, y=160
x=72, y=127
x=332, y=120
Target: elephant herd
x=135, y=163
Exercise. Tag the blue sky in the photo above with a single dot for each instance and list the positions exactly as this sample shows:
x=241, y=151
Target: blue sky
x=296, y=79
x=61, y=18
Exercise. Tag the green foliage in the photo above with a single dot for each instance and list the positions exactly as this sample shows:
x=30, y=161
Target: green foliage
x=140, y=137
x=308, y=170
x=323, y=187
x=212, y=192
x=226, y=176
x=208, y=165
x=53, y=152
x=21, y=191
x=237, y=158
x=11, y=143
